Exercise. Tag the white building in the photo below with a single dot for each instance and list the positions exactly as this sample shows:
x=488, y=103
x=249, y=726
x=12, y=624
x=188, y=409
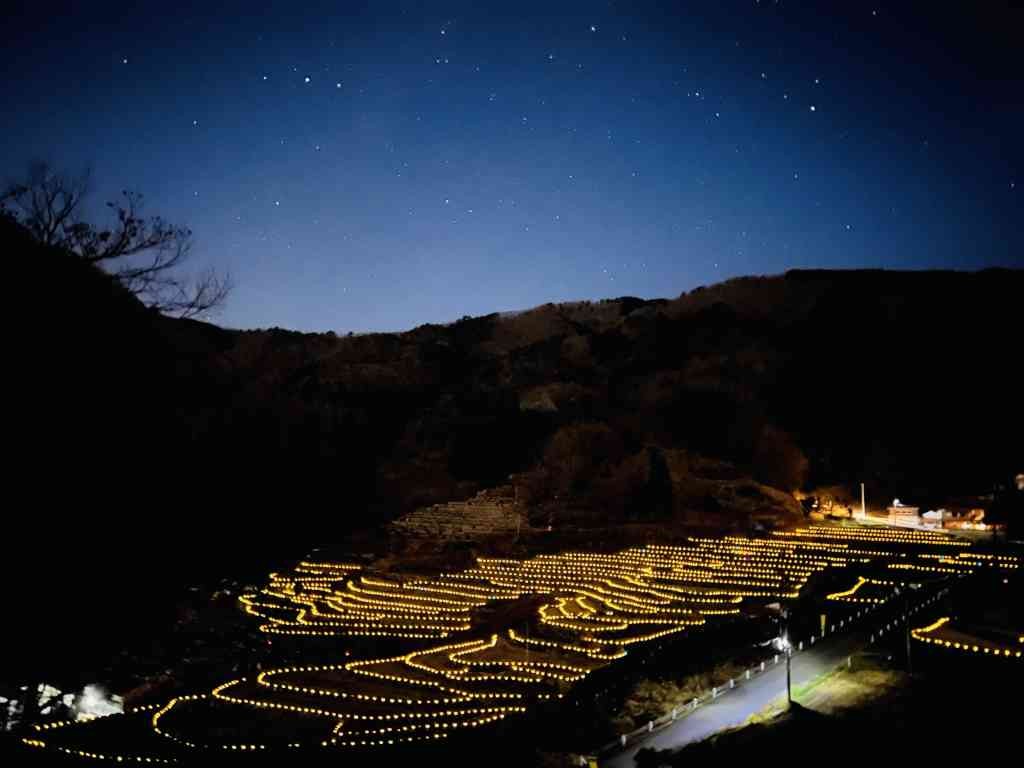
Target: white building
x=899, y=510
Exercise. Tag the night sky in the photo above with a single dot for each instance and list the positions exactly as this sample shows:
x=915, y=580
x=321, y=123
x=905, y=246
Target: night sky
x=374, y=166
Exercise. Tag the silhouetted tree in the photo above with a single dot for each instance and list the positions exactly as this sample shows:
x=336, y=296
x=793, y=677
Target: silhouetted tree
x=148, y=251
x=576, y=452
x=778, y=460
x=648, y=492
x=658, y=491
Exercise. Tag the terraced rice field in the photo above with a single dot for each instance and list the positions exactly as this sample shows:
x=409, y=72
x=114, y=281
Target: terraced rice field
x=594, y=608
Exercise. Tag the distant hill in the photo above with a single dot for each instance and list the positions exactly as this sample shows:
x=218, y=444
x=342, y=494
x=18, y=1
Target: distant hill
x=140, y=441
x=905, y=380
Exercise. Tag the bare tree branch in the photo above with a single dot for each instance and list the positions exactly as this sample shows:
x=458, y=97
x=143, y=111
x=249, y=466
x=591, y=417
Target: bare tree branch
x=47, y=204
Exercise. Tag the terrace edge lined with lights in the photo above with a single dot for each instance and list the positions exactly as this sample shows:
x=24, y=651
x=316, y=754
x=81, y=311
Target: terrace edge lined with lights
x=596, y=606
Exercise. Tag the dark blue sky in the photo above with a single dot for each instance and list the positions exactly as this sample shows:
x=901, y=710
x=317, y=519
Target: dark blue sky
x=379, y=165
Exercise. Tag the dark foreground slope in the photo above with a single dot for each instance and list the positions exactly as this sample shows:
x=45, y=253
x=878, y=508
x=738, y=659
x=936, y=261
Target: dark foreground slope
x=144, y=451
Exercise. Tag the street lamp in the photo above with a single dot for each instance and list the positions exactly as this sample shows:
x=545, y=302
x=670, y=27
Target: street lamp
x=788, y=648
x=789, y=677
x=782, y=643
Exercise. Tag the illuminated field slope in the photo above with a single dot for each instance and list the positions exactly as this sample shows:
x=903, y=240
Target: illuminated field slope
x=594, y=607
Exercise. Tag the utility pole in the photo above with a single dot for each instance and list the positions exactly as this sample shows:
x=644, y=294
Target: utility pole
x=788, y=648
x=906, y=611
x=789, y=677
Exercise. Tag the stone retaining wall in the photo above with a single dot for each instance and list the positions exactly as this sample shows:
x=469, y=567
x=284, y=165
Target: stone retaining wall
x=492, y=512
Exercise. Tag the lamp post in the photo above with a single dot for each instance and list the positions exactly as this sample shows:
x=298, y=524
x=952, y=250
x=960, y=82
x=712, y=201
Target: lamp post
x=782, y=643
x=789, y=676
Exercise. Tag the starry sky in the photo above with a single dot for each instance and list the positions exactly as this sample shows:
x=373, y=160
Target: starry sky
x=377, y=165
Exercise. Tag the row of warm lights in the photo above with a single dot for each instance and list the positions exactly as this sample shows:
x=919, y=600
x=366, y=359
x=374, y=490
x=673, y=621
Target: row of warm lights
x=602, y=594
x=387, y=741
x=65, y=723
x=593, y=652
x=220, y=693
x=263, y=678
x=81, y=753
x=411, y=660
x=890, y=534
x=923, y=632
x=928, y=568
x=850, y=595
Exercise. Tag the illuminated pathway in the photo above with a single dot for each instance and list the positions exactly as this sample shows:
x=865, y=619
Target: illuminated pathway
x=596, y=606
x=737, y=706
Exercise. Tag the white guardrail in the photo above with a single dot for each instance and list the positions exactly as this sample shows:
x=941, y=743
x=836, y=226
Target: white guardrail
x=626, y=739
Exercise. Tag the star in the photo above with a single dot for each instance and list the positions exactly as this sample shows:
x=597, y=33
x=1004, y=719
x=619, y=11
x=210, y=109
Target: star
x=813, y=108
x=307, y=78
x=337, y=85
x=593, y=28
x=124, y=61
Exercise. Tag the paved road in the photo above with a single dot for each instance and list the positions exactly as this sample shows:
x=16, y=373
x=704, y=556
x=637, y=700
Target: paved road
x=735, y=706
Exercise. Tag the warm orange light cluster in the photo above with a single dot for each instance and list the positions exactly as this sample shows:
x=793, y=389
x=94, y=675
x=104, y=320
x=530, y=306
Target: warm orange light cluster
x=850, y=595
x=941, y=633
x=596, y=606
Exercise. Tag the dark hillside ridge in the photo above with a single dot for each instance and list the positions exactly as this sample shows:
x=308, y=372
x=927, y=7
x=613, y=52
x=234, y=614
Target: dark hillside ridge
x=148, y=450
